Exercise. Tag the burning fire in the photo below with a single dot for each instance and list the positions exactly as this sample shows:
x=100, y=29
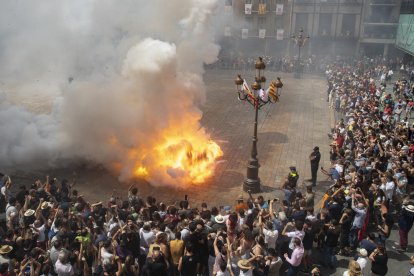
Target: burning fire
x=179, y=159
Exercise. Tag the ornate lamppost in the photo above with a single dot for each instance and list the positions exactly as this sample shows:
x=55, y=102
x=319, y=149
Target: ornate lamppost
x=300, y=41
x=257, y=97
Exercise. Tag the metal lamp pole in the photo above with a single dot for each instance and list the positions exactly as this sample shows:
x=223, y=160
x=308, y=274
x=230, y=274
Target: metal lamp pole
x=299, y=40
x=257, y=98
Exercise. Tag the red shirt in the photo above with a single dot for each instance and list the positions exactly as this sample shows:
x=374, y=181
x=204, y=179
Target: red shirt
x=339, y=141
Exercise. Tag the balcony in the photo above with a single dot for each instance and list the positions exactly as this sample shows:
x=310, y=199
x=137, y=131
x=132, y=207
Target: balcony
x=382, y=3
x=335, y=2
x=383, y=24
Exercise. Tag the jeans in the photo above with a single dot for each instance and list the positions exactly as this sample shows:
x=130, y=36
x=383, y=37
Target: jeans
x=403, y=238
x=293, y=270
x=353, y=237
x=329, y=256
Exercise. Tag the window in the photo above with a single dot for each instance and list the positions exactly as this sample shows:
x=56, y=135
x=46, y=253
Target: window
x=325, y=23
x=348, y=25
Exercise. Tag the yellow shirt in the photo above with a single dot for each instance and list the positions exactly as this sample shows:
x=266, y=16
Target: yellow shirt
x=177, y=250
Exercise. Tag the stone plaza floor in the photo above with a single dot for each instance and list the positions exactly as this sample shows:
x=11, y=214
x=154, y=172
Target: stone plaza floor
x=287, y=133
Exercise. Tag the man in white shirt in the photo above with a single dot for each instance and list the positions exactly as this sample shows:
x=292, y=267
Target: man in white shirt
x=63, y=266
x=39, y=228
x=296, y=233
x=11, y=208
x=270, y=234
x=388, y=188
x=147, y=236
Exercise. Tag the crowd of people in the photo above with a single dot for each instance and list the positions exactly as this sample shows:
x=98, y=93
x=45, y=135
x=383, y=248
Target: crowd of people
x=372, y=162
x=282, y=64
x=50, y=229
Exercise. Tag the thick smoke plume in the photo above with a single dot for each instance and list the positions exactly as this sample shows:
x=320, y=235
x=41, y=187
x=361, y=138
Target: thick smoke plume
x=115, y=78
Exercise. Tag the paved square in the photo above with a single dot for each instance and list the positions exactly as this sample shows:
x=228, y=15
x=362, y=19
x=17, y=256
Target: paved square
x=287, y=133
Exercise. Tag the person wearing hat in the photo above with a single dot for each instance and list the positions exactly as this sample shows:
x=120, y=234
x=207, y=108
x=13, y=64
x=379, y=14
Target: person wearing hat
x=362, y=259
x=405, y=223
x=314, y=158
x=240, y=204
x=219, y=223
x=246, y=267
x=4, y=252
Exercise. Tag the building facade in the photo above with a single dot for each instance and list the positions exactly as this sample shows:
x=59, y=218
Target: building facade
x=336, y=27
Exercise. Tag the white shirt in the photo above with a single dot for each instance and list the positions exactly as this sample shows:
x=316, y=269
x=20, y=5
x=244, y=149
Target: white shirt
x=270, y=237
x=106, y=257
x=339, y=168
x=388, y=189
x=64, y=269
x=247, y=273
x=184, y=233
x=10, y=209
x=5, y=192
x=221, y=273
x=362, y=261
x=41, y=233
x=146, y=239
x=295, y=234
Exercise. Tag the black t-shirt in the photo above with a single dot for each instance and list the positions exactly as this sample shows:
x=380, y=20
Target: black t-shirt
x=123, y=214
x=199, y=241
x=346, y=224
x=332, y=236
x=317, y=155
x=335, y=210
x=155, y=268
x=189, y=265
x=308, y=239
x=380, y=267
x=21, y=196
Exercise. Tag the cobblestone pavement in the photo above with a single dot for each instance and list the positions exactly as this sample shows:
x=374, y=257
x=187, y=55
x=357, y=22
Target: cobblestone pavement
x=287, y=133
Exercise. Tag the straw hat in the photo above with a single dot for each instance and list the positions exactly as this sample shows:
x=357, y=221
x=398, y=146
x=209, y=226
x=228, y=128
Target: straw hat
x=97, y=204
x=29, y=213
x=244, y=264
x=45, y=205
x=409, y=208
x=363, y=252
x=219, y=219
x=5, y=249
x=239, y=198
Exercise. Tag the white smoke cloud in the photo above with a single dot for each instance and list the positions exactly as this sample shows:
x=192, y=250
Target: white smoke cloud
x=114, y=75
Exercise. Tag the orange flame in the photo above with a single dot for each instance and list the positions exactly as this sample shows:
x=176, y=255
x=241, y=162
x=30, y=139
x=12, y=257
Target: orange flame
x=179, y=159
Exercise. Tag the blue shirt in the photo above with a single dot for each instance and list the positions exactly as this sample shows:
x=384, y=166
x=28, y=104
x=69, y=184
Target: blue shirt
x=359, y=218
x=334, y=173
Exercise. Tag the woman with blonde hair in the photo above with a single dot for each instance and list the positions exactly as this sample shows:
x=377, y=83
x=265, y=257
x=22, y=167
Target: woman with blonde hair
x=353, y=269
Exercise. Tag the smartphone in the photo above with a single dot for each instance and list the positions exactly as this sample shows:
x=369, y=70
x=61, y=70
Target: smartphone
x=186, y=197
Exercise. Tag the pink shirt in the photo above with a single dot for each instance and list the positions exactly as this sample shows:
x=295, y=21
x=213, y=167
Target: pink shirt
x=296, y=257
